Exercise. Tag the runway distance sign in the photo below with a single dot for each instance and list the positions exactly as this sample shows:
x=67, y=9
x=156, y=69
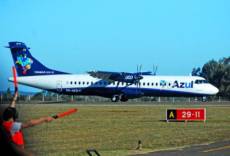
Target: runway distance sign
x=186, y=114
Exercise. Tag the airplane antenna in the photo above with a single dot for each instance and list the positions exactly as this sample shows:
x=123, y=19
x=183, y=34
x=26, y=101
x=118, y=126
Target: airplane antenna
x=139, y=68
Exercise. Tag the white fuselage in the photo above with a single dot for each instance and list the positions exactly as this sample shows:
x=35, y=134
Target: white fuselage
x=150, y=85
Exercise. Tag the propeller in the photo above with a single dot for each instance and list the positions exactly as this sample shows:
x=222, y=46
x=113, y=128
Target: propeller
x=132, y=78
x=154, y=69
x=139, y=75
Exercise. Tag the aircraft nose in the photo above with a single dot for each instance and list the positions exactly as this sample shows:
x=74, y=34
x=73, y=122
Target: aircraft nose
x=215, y=90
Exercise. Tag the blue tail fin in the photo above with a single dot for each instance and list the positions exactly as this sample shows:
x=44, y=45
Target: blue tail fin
x=26, y=64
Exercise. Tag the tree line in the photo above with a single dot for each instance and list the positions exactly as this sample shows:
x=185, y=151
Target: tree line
x=217, y=73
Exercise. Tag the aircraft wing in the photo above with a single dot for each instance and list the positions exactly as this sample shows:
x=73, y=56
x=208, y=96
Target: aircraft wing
x=109, y=76
x=118, y=76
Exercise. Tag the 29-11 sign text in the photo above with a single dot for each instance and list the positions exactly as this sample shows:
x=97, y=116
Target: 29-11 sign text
x=186, y=114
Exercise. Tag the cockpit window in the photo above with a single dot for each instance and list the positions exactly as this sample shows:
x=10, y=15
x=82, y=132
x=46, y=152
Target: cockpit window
x=201, y=81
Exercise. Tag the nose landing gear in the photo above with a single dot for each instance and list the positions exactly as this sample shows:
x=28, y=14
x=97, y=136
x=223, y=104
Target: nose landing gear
x=116, y=98
x=204, y=99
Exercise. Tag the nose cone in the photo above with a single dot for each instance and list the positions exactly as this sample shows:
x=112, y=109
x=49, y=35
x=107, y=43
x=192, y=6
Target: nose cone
x=214, y=90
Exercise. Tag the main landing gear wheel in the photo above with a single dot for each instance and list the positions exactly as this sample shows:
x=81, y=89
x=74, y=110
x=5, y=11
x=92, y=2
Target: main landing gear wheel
x=124, y=98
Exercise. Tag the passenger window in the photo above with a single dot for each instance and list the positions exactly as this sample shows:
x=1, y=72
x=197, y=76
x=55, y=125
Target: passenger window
x=79, y=82
x=71, y=82
x=152, y=84
x=156, y=84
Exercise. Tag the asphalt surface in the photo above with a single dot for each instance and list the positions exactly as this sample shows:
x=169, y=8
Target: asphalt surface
x=214, y=149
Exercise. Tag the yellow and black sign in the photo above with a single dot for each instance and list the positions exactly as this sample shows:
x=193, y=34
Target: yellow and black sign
x=171, y=114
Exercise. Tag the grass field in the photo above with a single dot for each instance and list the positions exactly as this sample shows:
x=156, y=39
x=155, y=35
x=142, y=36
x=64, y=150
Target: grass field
x=114, y=130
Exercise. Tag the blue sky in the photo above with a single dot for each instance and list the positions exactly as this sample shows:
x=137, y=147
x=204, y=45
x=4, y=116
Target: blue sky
x=78, y=36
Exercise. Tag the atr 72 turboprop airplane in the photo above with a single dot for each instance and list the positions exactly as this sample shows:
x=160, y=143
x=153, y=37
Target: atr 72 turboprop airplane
x=119, y=86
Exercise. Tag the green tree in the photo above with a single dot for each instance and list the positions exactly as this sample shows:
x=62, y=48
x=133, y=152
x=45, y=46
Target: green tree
x=196, y=71
x=213, y=71
x=225, y=81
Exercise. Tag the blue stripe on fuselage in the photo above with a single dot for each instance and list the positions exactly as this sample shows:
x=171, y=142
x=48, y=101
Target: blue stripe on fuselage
x=109, y=91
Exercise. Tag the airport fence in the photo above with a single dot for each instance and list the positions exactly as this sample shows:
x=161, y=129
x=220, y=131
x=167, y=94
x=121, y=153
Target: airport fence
x=47, y=97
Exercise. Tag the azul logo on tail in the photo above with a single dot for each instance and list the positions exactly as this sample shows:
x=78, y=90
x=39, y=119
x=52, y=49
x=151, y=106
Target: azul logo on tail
x=26, y=64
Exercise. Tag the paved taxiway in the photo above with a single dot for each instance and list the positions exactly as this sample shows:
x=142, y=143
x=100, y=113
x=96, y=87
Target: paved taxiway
x=213, y=149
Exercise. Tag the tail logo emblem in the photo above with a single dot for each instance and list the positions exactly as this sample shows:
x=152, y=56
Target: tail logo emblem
x=24, y=62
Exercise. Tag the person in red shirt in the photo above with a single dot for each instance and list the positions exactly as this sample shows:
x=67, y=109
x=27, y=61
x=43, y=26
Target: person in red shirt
x=13, y=127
